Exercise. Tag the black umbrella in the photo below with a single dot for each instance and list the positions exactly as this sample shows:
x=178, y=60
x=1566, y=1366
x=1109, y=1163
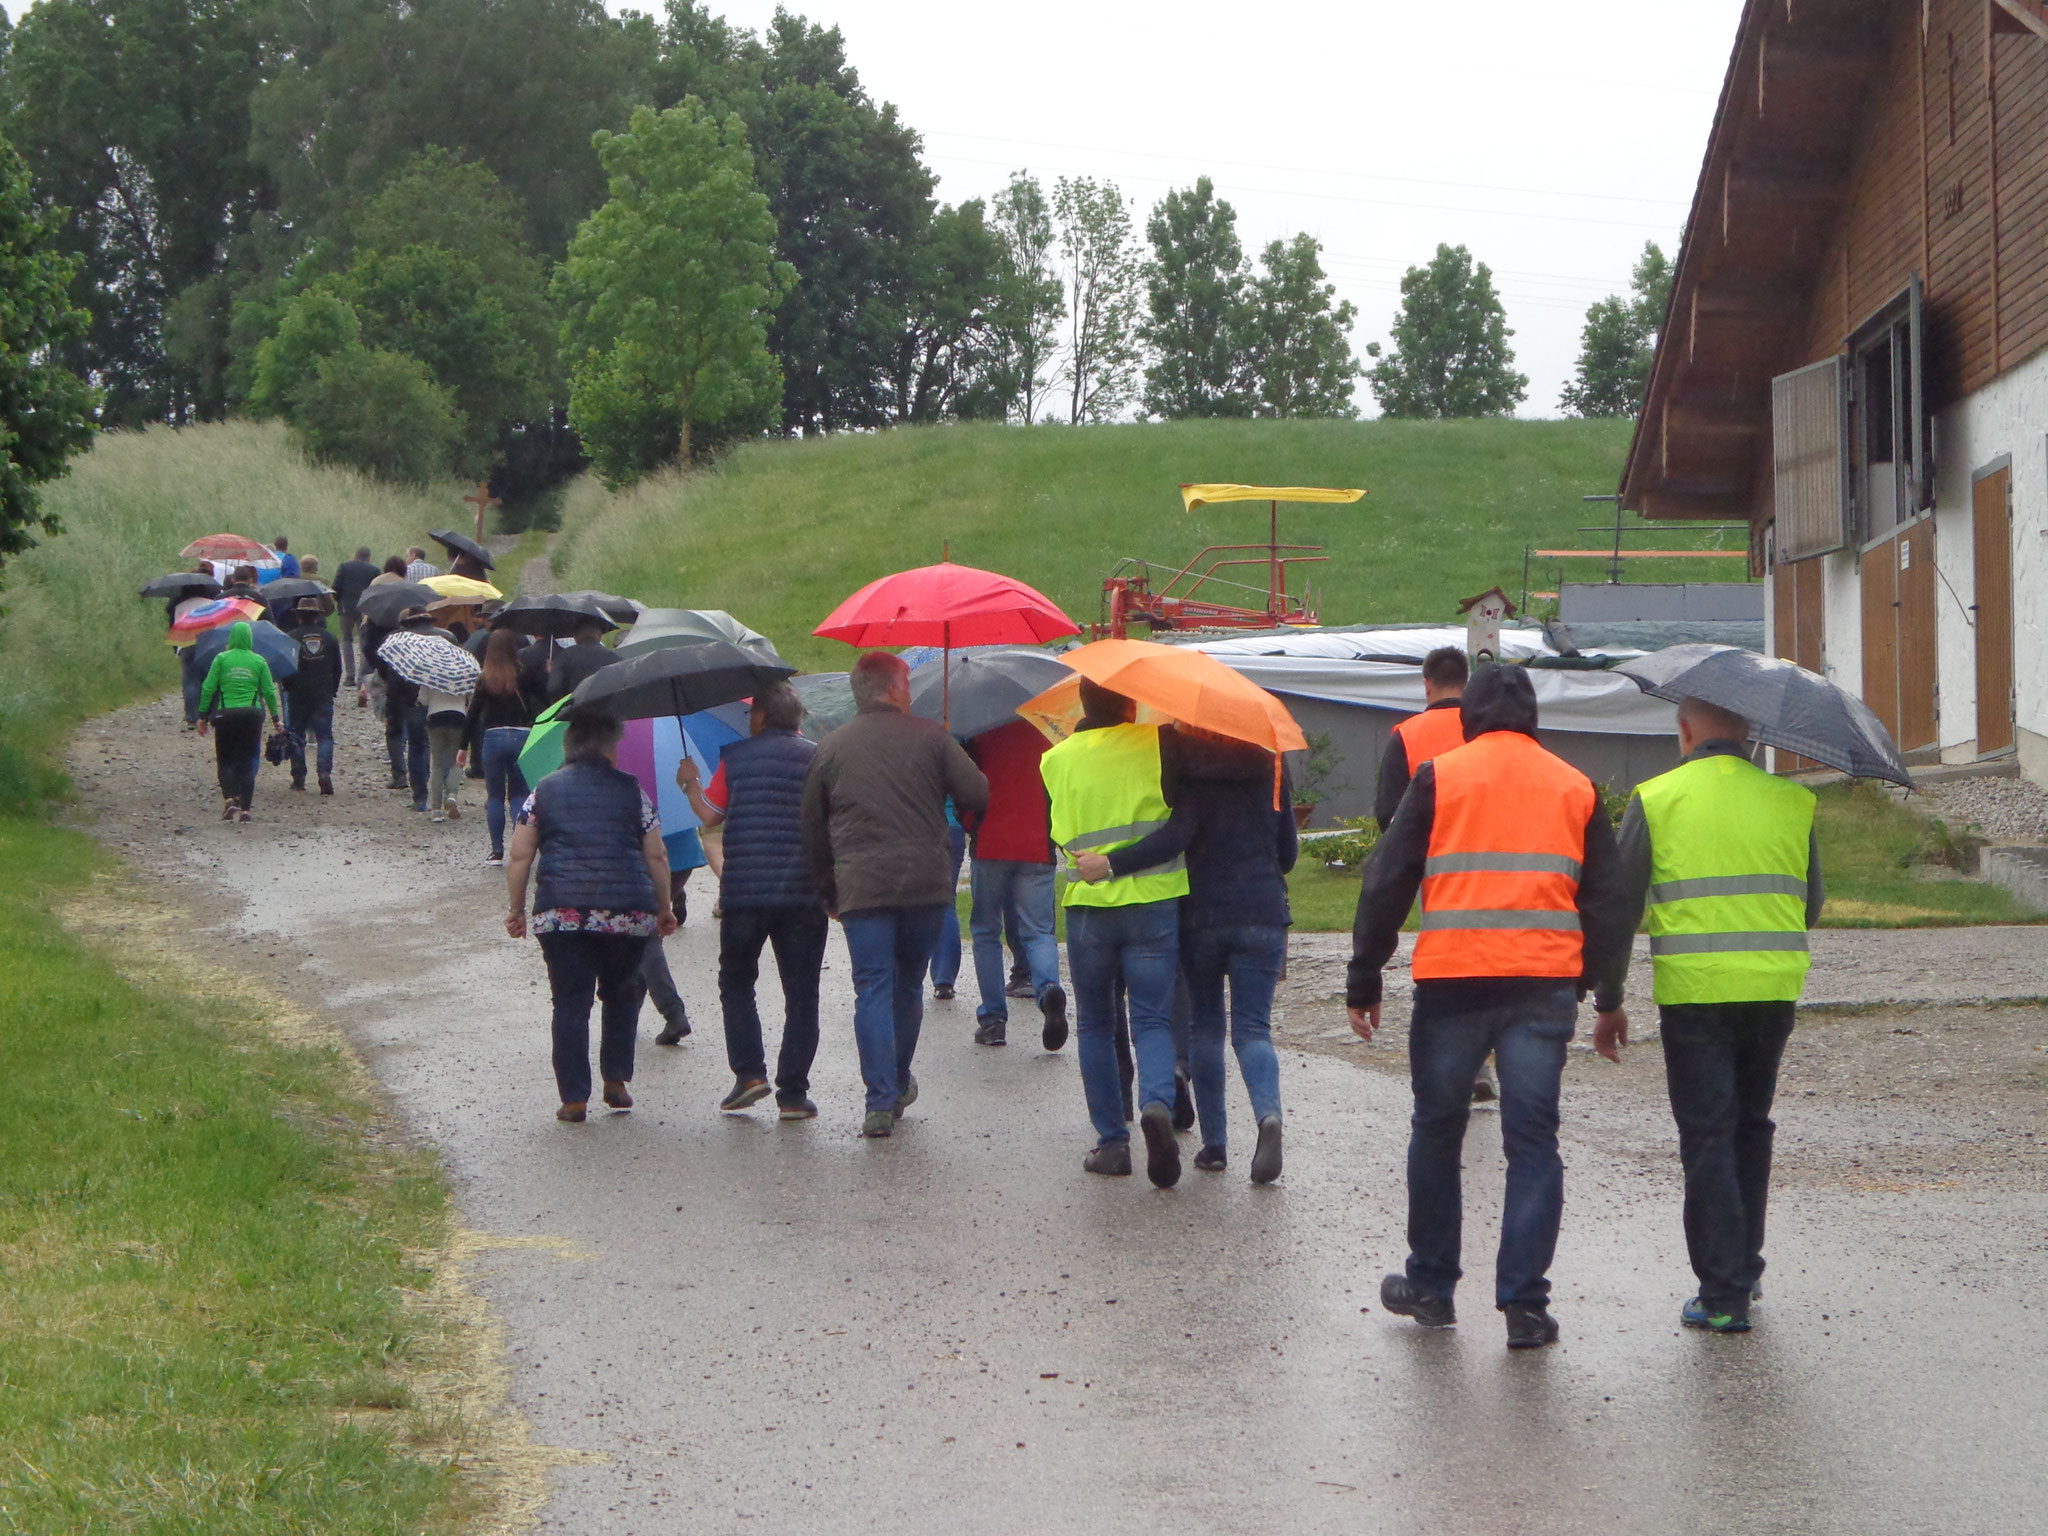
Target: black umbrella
x=557, y=616
x=621, y=610
x=1789, y=707
x=385, y=605
x=679, y=680
x=462, y=544
x=289, y=589
x=180, y=585
x=987, y=686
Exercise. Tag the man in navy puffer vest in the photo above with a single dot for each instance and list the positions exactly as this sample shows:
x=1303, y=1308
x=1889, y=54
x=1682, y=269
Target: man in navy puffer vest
x=767, y=897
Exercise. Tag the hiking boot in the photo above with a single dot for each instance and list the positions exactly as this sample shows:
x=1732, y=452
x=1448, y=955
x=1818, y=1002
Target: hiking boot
x=907, y=1097
x=1212, y=1159
x=879, y=1123
x=798, y=1108
x=326, y=784
x=1715, y=1319
x=616, y=1097
x=1401, y=1296
x=573, y=1113
x=942, y=991
x=1162, y=1151
x=745, y=1091
x=1183, y=1102
x=1529, y=1327
x=1266, y=1156
x=672, y=1031
x=992, y=1032
x=1112, y=1158
x=1054, y=1007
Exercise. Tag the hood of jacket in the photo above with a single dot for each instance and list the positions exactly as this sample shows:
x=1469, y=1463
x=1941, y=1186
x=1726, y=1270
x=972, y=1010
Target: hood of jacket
x=240, y=636
x=1499, y=699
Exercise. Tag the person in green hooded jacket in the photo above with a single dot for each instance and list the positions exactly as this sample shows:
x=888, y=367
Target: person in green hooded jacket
x=236, y=696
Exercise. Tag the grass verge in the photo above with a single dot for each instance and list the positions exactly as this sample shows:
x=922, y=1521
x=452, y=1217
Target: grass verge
x=205, y=1247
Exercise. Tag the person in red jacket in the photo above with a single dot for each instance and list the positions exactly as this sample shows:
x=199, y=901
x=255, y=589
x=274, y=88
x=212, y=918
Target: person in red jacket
x=1013, y=872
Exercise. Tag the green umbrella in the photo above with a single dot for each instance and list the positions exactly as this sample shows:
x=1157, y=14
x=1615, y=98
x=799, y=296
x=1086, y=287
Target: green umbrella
x=542, y=754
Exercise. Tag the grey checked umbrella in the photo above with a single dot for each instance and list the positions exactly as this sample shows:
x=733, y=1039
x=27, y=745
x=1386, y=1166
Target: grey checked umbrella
x=430, y=661
x=987, y=686
x=1790, y=707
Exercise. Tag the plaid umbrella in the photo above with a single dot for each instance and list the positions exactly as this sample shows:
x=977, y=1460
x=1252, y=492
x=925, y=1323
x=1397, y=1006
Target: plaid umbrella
x=1788, y=706
x=431, y=662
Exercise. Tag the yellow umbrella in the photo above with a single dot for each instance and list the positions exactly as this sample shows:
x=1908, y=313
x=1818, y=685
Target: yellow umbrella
x=464, y=588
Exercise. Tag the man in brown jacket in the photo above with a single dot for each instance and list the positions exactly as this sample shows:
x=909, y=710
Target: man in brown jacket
x=874, y=824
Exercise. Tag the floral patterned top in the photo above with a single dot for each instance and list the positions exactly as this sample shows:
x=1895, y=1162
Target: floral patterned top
x=626, y=924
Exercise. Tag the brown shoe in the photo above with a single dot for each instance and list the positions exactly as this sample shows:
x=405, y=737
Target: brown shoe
x=616, y=1096
x=454, y=811
x=570, y=1112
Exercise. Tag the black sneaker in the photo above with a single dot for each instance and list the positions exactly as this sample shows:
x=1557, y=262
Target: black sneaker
x=673, y=1031
x=1212, y=1159
x=1054, y=1007
x=992, y=1032
x=1266, y=1156
x=798, y=1108
x=1162, y=1152
x=942, y=991
x=745, y=1091
x=1529, y=1327
x=1400, y=1295
x=1183, y=1102
x=1112, y=1158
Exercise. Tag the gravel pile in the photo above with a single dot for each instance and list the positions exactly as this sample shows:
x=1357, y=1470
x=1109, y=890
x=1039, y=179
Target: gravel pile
x=2004, y=810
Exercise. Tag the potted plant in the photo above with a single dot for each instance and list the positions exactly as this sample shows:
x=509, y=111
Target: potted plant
x=1313, y=781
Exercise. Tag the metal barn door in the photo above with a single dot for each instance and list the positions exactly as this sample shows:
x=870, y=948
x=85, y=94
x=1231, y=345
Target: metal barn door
x=1991, y=509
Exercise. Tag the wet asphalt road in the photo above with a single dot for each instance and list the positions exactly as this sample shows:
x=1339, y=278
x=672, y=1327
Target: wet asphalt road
x=957, y=1329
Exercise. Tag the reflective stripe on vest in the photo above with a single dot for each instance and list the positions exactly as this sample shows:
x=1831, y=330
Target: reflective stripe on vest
x=1104, y=788
x=1430, y=734
x=1500, y=885
x=1729, y=845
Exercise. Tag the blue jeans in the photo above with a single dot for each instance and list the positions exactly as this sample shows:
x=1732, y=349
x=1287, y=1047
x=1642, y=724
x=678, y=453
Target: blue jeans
x=1455, y=1025
x=502, y=745
x=1142, y=942
x=1249, y=957
x=312, y=720
x=946, y=956
x=891, y=948
x=192, y=677
x=1025, y=892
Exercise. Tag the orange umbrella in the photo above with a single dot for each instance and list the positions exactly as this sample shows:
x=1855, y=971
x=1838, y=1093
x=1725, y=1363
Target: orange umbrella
x=1168, y=682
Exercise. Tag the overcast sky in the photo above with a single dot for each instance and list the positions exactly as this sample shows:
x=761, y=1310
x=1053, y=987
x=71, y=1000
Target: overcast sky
x=1553, y=140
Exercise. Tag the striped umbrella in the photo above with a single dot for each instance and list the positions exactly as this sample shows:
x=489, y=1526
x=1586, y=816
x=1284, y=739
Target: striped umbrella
x=430, y=661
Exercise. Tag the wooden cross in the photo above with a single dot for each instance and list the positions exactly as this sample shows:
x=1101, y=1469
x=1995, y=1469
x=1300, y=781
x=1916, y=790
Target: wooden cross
x=483, y=501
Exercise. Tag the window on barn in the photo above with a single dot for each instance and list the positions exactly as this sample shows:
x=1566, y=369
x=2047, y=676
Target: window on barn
x=1890, y=478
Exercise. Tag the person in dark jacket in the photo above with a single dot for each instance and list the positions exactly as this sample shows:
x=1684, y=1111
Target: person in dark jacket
x=588, y=656
x=1523, y=911
x=603, y=893
x=766, y=896
x=501, y=712
x=874, y=830
x=351, y=579
x=309, y=693
x=1239, y=845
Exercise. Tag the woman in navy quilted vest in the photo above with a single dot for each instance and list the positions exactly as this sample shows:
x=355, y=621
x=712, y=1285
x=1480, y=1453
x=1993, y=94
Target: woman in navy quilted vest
x=602, y=894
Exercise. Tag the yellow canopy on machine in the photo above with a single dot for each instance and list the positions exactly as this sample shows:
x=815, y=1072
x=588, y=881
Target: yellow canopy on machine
x=1193, y=496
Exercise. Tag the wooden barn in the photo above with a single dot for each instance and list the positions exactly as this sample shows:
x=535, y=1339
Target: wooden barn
x=1855, y=359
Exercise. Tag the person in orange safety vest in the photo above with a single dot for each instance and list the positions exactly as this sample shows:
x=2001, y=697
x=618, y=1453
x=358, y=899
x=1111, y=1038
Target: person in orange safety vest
x=1420, y=737
x=1515, y=860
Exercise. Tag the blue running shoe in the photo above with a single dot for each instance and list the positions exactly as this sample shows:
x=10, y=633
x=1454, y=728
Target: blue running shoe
x=1696, y=1314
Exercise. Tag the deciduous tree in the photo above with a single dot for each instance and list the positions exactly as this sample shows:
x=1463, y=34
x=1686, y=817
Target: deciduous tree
x=1031, y=304
x=1450, y=352
x=1619, y=342
x=1298, y=341
x=666, y=292
x=1103, y=278
x=949, y=361
x=1195, y=320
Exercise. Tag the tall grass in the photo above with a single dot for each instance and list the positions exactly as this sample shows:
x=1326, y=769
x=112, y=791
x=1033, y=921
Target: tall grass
x=780, y=532
x=74, y=638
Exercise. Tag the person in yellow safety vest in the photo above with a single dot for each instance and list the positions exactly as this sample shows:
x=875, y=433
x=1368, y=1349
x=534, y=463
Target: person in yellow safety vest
x=1514, y=859
x=1725, y=857
x=1109, y=784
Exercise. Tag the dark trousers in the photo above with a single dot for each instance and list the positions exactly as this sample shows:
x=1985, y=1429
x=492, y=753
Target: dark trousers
x=579, y=964
x=237, y=749
x=1452, y=1031
x=799, y=935
x=1721, y=1065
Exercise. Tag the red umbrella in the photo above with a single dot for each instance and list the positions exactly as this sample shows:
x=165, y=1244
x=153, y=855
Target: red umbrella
x=227, y=546
x=947, y=605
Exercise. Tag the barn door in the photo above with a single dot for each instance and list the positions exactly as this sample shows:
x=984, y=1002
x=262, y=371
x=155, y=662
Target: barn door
x=1880, y=585
x=1991, y=508
x=1919, y=679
